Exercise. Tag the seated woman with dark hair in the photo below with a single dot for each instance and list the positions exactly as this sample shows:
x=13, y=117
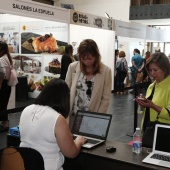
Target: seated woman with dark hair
x=43, y=126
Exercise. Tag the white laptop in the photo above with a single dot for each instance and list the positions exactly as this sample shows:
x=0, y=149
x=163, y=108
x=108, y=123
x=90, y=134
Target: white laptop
x=94, y=126
x=160, y=154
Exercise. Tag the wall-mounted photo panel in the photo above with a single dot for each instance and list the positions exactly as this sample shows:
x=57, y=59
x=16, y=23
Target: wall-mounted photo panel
x=52, y=65
x=36, y=83
x=31, y=67
x=33, y=84
x=9, y=33
x=24, y=64
x=42, y=82
x=43, y=37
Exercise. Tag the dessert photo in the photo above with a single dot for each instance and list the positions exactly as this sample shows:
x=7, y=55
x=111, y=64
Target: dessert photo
x=54, y=66
x=33, y=43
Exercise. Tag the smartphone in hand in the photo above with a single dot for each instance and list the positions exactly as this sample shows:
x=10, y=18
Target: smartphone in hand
x=141, y=98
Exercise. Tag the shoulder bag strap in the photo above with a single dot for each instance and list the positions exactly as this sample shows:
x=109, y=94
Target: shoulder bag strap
x=168, y=111
x=147, y=111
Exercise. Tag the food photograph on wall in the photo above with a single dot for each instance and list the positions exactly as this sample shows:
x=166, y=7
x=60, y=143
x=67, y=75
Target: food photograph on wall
x=12, y=39
x=36, y=47
x=36, y=83
x=27, y=64
x=52, y=65
x=49, y=38
x=9, y=33
x=42, y=46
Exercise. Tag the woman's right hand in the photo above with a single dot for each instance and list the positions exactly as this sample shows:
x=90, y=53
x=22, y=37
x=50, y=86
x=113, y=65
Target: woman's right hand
x=141, y=100
x=69, y=147
x=80, y=140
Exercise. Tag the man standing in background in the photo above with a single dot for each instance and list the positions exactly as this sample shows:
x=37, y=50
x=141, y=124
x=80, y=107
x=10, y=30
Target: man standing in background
x=137, y=64
x=115, y=72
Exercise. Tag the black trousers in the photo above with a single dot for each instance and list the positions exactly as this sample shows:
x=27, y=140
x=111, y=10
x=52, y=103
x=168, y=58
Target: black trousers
x=4, y=99
x=120, y=81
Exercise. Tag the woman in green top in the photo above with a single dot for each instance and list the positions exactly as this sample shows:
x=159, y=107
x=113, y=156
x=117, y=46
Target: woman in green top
x=156, y=103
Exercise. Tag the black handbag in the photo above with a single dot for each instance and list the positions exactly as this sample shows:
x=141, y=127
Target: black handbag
x=148, y=135
x=149, y=126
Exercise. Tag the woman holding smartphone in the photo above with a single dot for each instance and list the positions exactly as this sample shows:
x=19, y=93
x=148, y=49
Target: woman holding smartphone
x=156, y=103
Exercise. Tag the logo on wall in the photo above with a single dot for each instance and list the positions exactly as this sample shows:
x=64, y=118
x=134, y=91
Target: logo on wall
x=98, y=22
x=75, y=17
x=81, y=18
x=23, y=27
x=110, y=24
x=8, y=28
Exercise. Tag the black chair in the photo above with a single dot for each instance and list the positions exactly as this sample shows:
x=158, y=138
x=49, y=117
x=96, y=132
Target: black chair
x=20, y=158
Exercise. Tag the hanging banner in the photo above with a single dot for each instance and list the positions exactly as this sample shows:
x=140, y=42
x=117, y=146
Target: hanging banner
x=34, y=10
x=156, y=34
x=89, y=20
x=131, y=30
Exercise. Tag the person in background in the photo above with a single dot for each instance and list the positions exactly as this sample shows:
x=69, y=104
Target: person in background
x=147, y=55
x=89, y=80
x=115, y=72
x=145, y=74
x=66, y=59
x=5, y=90
x=169, y=57
x=121, y=73
x=156, y=103
x=137, y=64
x=49, y=112
x=158, y=50
x=76, y=57
x=1, y=76
x=116, y=55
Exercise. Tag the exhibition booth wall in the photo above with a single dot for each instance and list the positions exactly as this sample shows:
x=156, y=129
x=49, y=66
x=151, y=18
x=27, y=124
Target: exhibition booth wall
x=100, y=29
x=23, y=22
x=134, y=35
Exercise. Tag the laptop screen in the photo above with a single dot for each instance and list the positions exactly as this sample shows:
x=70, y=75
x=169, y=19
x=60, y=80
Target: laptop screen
x=163, y=139
x=94, y=125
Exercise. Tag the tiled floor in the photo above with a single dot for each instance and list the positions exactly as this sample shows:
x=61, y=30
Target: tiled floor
x=121, y=108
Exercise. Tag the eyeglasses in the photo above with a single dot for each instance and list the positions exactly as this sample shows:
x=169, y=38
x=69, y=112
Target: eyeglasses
x=89, y=85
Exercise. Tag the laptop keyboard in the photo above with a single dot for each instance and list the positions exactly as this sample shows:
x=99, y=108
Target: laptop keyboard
x=92, y=141
x=161, y=157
